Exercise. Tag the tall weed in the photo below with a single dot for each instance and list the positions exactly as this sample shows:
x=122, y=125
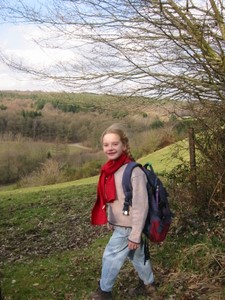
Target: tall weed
x=49, y=173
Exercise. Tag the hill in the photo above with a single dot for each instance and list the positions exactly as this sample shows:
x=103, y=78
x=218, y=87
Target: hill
x=96, y=103
x=55, y=137
x=75, y=118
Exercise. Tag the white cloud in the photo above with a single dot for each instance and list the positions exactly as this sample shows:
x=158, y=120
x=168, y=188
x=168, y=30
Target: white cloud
x=11, y=80
x=17, y=43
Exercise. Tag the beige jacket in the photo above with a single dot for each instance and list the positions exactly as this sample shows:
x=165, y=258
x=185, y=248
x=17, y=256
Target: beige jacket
x=139, y=209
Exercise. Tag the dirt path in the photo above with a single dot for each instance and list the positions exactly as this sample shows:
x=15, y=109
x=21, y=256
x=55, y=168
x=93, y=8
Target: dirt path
x=79, y=146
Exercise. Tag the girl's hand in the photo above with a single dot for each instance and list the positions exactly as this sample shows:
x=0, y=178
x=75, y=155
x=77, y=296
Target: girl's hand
x=132, y=245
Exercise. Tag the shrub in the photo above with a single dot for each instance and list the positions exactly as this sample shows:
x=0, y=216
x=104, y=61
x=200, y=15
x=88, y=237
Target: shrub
x=49, y=173
x=157, y=124
x=144, y=115
x=3, y=107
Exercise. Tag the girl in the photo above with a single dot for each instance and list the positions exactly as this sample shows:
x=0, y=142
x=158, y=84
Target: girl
x=127, y=229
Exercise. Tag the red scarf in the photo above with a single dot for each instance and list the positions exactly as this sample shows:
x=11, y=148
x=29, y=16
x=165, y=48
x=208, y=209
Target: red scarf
x=106, y=191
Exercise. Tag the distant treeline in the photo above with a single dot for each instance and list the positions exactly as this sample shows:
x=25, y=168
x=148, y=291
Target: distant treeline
x=75, y=118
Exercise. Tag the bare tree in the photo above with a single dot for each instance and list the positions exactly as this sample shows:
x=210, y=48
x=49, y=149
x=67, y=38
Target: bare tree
x=162, y=48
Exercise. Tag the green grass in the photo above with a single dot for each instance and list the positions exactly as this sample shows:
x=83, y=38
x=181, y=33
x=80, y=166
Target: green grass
x=84, y=181
x=49, y=250
x=165, y=159
x=64, y=275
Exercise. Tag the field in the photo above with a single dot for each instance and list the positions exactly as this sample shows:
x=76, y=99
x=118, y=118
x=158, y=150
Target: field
x=49, y=250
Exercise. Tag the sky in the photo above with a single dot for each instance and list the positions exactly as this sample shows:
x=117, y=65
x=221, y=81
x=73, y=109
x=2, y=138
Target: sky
x=17, y=41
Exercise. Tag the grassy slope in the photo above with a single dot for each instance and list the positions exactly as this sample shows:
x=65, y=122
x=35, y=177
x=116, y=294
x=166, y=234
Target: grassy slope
x=164, y=160
x=50, y=251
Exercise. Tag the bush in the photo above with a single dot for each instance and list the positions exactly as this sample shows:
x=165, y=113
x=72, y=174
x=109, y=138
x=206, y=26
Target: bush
x=49, y=173
x=157, y=124
x=3, y=107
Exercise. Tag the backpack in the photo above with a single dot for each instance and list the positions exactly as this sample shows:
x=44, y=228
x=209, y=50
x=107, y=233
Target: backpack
x=159, y=216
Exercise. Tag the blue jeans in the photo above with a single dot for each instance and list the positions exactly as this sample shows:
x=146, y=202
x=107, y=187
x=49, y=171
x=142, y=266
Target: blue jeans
x=115, y=255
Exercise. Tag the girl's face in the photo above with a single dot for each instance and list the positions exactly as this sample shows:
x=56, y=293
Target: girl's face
x=112, y=146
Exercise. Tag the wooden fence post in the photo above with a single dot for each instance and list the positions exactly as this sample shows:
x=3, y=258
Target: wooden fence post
x=192, y=159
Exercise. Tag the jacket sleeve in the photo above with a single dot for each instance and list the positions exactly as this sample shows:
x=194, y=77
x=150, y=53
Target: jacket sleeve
x=139, y=204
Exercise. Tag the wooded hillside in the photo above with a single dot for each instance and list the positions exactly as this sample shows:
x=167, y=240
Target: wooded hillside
x=40, y=132
x=74, y=118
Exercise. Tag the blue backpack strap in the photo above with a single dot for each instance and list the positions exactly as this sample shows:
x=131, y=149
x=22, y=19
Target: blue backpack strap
x=127, y=186
x=149, y=166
